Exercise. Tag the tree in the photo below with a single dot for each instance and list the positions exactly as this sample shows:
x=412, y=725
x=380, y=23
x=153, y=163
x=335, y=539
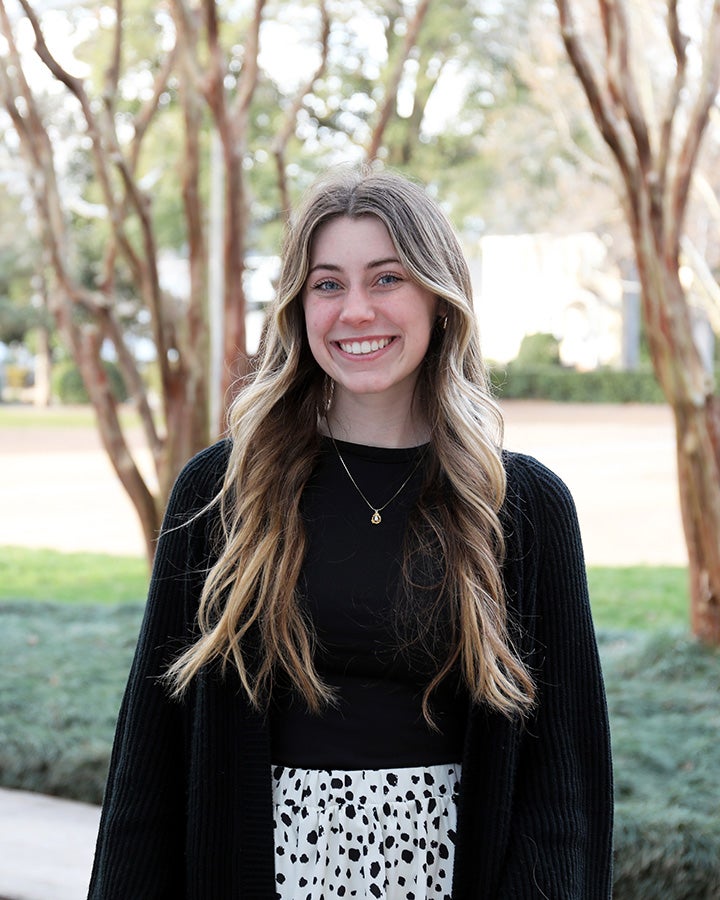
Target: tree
x=656, y=151
x=105, y=147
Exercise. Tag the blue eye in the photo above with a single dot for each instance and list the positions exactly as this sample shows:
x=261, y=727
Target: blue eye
x=389, y=278
x=327, y=284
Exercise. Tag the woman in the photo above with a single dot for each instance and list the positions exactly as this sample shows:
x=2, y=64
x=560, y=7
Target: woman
x=367, y=666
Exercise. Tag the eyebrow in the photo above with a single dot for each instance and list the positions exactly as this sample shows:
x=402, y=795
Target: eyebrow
x=373, y=264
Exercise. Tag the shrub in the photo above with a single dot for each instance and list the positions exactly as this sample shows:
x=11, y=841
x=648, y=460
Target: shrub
x=65, y=668
x=544, y=382
x=68, y=386
x=664, y=711
x=538, y=349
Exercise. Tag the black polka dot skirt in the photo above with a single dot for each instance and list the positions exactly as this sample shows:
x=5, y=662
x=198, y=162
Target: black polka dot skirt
x=366, y=834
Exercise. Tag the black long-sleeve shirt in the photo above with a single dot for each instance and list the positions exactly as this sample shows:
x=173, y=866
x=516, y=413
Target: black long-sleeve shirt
x=378, y=645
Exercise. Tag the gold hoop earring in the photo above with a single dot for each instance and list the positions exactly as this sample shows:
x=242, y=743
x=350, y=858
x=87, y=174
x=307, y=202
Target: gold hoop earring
x=328, y=393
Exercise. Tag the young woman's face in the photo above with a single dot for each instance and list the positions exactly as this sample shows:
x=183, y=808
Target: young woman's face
x=367, y=322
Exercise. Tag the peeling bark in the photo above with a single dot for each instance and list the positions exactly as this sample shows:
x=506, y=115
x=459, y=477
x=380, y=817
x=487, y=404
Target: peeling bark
x=657, y=171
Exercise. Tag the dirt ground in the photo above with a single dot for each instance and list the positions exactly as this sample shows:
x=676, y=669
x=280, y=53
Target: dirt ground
x=58, y=490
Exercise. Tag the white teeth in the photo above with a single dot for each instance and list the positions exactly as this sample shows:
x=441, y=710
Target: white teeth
x=358, y=348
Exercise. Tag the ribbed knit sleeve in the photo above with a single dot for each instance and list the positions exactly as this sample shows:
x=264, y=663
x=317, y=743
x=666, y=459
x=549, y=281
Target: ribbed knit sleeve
x=560, y=839
x=141, y=841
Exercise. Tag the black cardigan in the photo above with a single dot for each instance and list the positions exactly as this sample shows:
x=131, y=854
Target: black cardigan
x=188, y=804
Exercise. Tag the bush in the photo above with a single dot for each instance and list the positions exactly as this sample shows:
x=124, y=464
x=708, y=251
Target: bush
x=665, y=713
x=65, y=668
x=539, y=349
x=545, y=382
x=68, y=386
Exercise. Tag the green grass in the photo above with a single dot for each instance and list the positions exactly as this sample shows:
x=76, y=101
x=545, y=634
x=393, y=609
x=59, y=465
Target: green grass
x=24, y=416
x=642, y=597
x=47, y=575
x=626, y=598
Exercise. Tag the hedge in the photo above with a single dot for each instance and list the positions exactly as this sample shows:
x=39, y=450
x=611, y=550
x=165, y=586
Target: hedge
x=547, y=382
x=65, y=668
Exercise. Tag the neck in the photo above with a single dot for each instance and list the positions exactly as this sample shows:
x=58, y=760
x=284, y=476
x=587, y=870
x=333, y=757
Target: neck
x=365, y=421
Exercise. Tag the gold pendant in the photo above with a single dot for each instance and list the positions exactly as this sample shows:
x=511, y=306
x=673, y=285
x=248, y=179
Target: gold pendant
x=376, y=518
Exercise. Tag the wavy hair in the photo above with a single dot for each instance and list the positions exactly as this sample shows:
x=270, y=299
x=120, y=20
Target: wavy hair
x=250, y=596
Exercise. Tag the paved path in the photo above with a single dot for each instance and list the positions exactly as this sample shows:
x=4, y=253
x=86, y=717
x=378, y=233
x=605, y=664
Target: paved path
x=619, y=462
x=46, y=847
x=59, y=491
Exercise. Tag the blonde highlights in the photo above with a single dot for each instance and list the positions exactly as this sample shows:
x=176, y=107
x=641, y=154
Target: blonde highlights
x=250, y=614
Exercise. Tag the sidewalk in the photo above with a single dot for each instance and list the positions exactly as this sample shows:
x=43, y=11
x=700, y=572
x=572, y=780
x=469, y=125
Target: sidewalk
x=46, y=846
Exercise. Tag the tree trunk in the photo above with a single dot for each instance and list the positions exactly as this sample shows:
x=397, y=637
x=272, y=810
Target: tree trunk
x=43, y=368
x=688, y=388
x=698, y=454
x=656, y=167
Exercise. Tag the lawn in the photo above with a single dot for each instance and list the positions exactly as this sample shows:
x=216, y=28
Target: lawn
x=22, y=415
x=48, y=575
x=624, y=597
x=642, y=597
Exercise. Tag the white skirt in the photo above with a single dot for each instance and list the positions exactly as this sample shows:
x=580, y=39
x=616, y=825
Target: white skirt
x=366, y=834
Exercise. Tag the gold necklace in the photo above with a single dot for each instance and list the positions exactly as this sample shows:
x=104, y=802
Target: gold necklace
x=375, y=518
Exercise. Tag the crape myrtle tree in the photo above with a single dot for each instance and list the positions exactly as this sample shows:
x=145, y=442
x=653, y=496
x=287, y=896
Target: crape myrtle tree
x=653, y=117
x=150, y=89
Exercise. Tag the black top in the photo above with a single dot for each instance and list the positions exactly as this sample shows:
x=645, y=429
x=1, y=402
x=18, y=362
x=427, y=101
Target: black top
x=367, y=628
x=188, y=810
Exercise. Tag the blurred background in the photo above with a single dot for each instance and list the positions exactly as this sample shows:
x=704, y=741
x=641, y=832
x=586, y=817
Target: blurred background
x=150, y=155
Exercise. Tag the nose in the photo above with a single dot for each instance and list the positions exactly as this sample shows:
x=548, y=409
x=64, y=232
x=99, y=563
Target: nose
x=357, y=307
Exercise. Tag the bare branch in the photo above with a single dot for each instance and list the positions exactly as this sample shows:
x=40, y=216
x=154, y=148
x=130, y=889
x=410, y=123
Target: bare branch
x=279, y=145
x=250, y=68
x=601, y=106
x=150, y=107
x=699, y=118
x=620, y=79
x=112, y=435
x=679, y=42
x=391, y=89
x=112, y=73
x=706, y=279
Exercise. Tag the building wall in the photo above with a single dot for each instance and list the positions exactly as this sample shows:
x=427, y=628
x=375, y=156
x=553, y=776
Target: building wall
x=566, y=286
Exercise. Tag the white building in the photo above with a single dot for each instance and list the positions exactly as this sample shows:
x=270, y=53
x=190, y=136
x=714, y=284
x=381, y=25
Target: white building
x=561, y=285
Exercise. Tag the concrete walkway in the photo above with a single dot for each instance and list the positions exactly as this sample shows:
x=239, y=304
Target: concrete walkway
x=46, y=846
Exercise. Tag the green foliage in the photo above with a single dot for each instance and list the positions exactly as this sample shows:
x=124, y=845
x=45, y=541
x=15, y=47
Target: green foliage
x=568, y=385
x=540, y=349
x=66, y=666
x=68, y=385
x=664, y=698
x=16, y=320
x=76, y=578
x=64, y=669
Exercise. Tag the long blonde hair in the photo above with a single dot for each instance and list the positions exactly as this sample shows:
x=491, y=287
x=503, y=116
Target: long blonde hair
x=275, y=445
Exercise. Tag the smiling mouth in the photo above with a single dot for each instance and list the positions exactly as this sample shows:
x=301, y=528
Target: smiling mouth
x=362, y=348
